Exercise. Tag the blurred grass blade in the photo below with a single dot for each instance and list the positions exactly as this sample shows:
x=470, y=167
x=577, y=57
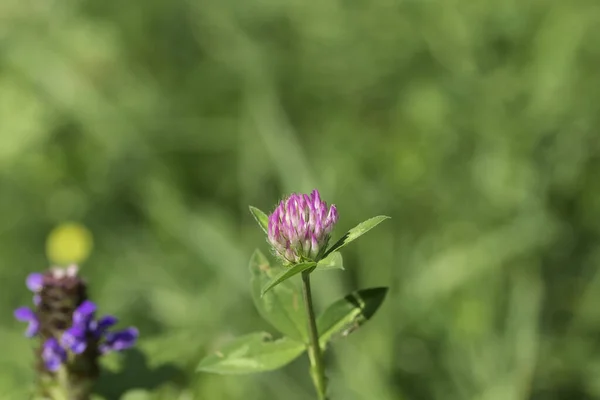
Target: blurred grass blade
x=348, y=314
x=356, y=232
x=286, y=274
x=332, y=261
x=251, y=353
x=261, y=218
x=281, y=306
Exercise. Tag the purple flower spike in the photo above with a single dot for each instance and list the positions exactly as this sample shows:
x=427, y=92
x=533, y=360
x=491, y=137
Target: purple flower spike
x=35, y=282
x=300, y=227
x=120, y=340
x=25, y=314
x=65, y=322
x=53, y=355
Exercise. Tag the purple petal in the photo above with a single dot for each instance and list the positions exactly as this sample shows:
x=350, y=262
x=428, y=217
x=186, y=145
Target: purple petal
x=53, y=354
x=37, y=299
x=271, y=227
x=32, y=329
x=276, y=234
x=318, y=228
x=316, y=198
x=332, y=217
x=322, y=212
x=120, y=340
x=74, y=339
x=52, y=363
x=35, y=282
x=84, y=313
x=25, y=314
x=100, y=327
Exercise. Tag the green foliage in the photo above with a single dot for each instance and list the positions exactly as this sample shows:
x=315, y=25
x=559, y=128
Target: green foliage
x=282, y=305
x=278, y=302
x=472, y=123
x=332, y=261
x=261, y=218
x=286, y=273
x=356, y=232
x=252, y=353
x=348, y=314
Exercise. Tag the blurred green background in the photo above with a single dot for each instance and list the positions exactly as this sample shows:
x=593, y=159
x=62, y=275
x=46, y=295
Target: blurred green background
x=154, y=124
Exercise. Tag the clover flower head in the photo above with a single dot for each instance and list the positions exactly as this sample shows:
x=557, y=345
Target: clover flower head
x=300, y=227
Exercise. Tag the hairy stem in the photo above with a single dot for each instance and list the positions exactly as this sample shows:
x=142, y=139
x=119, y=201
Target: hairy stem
x=317, y=368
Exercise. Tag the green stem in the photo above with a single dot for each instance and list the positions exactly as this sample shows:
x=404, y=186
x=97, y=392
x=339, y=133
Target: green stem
x=61, y=386
x=317, y=368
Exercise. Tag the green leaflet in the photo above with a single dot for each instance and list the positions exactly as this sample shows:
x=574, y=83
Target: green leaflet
x=356, y=232
x=261, y=218
x=332, y=261
x=349, y=313
x=251, y=353
x=286, y=274
x=281, y=306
